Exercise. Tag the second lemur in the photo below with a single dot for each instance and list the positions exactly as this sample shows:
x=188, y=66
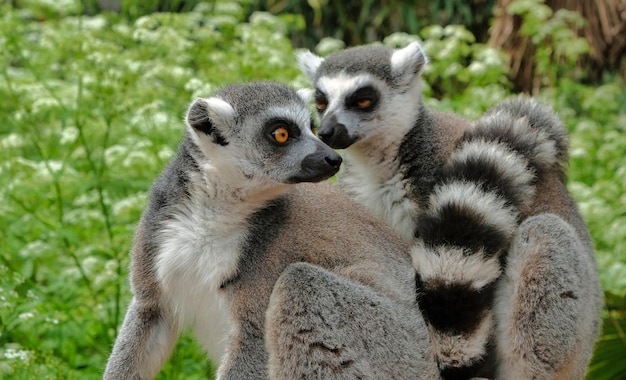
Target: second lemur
x=506, y=277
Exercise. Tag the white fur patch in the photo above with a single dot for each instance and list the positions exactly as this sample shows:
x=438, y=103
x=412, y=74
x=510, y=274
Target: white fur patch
x=220, y=109
x=544, y=152
x=513, y=166
x=387, y=199
x=468, y=195
x=306, y=94
x=408, y=61
x=198, y=252
x=159, y=345
x=337, y=87
x=309, y=63
x=450, y=266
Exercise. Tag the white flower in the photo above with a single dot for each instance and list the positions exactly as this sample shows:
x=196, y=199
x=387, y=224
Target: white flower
x=52, y=320
x=12, y=140
x=165, y=153
x=71, y=274
x=42, y=103
x=12, y=353
x=138, y=158
x=126, y=205
x=34, y=249
x=160, y=118
x=91, y=264
x=477, y=68
x=95, y=23
x=69, y=135
x=26, y=316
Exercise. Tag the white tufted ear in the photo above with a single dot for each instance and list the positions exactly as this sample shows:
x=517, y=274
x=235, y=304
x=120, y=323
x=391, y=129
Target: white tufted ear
x=309, y=63
x=306, y=94
x=408, y=62
x=209, y=116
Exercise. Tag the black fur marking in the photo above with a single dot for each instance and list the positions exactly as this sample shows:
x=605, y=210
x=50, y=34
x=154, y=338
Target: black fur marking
x=170, y=188
x=461, y=373
x=320, y=99
x=218, y=138
x=265, y=225
x=540, y=117
x=420, y=157
x=206, y=126
x=366, y=92
x=458, y=226
x=489, y=175
x=524, y=144
x=454, y=308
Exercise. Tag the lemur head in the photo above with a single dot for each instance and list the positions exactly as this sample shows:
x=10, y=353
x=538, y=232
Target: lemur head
x=364, y=91
x=260, y=132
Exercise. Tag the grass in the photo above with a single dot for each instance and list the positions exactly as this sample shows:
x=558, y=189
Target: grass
x=92, y=110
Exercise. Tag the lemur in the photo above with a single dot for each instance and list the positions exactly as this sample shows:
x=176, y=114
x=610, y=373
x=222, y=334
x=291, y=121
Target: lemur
x=505, y=273
x=277, y=276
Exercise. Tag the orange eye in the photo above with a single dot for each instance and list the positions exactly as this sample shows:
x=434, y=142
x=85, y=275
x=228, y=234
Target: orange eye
x=281, y=135
x=362, y=103
x=320, y=106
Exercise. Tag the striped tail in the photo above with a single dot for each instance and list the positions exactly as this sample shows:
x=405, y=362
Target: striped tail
x=465, y=233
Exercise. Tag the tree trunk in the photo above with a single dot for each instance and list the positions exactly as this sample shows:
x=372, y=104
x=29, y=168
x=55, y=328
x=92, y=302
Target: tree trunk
x=604, y=30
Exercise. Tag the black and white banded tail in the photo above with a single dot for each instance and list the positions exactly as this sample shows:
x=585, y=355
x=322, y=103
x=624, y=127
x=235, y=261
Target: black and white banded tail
x=471, y=220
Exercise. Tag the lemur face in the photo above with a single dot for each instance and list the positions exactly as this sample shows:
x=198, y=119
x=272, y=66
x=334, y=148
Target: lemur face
x=350, y=107
x=363, y=91
x=262, y=131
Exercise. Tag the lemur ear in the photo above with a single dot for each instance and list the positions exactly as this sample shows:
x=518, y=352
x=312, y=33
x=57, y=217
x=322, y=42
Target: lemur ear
x=207, y=115
x=309, y=63
x=306, y=94
x=408, y=62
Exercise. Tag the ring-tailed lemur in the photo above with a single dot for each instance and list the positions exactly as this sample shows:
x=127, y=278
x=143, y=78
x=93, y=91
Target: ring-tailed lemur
x=224, y=222
x=514, y=301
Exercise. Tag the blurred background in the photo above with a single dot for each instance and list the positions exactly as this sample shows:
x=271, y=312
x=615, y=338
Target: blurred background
x=92, y=98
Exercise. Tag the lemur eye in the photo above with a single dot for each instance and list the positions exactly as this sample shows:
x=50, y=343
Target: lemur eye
x=363, y=103
x=363, y=99
x=281, y=135
x=321, y=102
x=321, y=106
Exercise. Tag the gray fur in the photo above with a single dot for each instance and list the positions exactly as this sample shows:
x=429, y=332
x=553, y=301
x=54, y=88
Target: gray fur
x=402, y=160
x=546, y=307
x=226, y=218
x=329, y=315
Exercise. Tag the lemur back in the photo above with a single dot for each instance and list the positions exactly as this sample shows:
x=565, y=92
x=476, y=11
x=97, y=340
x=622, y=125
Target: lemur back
x=457, y=191
x=232, y=224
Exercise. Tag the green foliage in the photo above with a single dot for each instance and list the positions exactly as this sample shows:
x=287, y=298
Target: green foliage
x=608, y=362
x=369, y=21
x=557, y=47
x=92, y=110
x=462, y=69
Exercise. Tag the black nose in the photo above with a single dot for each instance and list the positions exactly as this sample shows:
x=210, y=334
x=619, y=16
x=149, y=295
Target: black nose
x=334, y=160
x=325, y=134
x=336, y=135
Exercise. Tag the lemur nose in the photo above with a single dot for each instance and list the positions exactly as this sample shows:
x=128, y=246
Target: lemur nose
x=325, y=133
x=334, y=160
